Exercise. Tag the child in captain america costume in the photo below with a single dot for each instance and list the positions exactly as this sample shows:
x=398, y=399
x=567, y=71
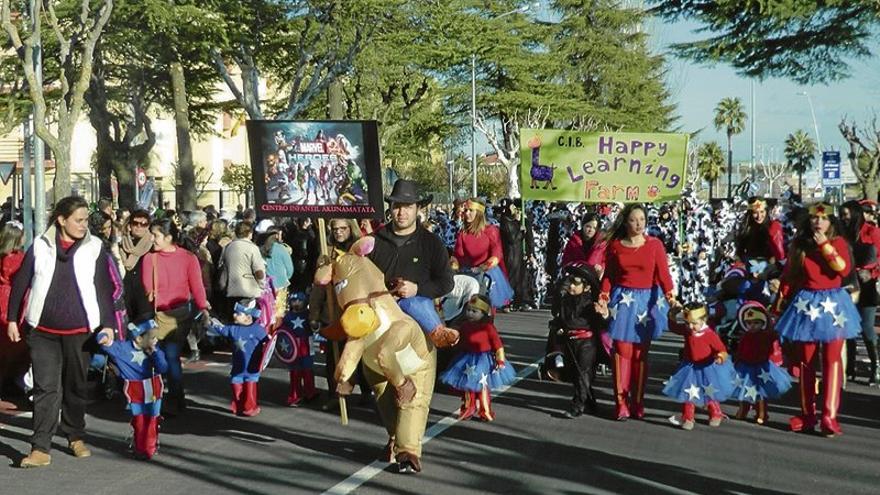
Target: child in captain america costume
x=705, y=376
x=481, y=366
x=141, y=364
x=248, y=338
x=293, y=348
x=758, y=359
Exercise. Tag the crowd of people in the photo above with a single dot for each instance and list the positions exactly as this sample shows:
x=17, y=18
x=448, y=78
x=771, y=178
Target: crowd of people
x=759, y=288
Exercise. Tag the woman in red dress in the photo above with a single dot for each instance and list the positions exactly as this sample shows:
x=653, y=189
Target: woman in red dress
x=478, y=251
x=636, y=288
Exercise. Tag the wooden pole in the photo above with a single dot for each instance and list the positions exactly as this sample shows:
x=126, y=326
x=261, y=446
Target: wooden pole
x=332, y=313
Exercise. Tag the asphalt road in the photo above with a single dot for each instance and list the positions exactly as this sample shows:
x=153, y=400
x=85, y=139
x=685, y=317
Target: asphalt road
x=530, y=448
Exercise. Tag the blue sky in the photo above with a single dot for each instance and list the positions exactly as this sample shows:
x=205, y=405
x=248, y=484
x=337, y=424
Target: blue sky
x=697, y=89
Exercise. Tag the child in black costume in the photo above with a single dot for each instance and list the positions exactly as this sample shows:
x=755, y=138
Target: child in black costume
x=576, y=326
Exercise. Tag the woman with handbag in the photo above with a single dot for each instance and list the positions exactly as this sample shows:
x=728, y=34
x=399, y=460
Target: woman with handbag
x=172, y=279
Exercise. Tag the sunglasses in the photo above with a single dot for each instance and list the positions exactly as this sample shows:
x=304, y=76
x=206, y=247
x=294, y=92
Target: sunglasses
x=139, y=224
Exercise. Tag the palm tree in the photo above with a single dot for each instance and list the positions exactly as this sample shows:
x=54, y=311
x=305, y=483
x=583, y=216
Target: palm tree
x=710, y=164
x=799, y=151
x=730, y=116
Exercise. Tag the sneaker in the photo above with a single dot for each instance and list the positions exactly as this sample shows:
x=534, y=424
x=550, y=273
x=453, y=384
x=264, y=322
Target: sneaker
x=688, y=425
x=37, y=458
x=195, y=356
x=408, y=463
x=79, y=449
x=715, y=421
x=572, y=414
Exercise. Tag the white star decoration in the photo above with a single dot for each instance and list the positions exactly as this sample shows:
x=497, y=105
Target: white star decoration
x=298, y=322
x=612, y=312
x=470, y=370
x=661, y=304
x=285, y=347
x=828, y=305
x=709, y=390
x=643, y=317
x=764, y=376
x=627, y=298
x=738, y=381
x=840, y=320
x=484, y=380
x=813, y=313
x=240, y=343
x=801, y=305
x=752, y=391
x=693, y=392
x=138, y=357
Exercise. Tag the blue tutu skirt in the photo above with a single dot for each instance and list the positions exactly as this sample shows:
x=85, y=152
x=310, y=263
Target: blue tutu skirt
x=637, y=315
x=755, y=382
x=421, y=309
x=500, y=291
x=470, y=370
x=699, y=383
x=820, y=316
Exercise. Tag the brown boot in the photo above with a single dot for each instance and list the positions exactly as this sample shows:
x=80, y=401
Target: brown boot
x=37, y=458
x=388, y=451
x=442, y=336
x=408, y=463
x=79, y=449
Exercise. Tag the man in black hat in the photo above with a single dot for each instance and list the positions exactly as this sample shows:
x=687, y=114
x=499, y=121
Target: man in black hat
x=415, y=262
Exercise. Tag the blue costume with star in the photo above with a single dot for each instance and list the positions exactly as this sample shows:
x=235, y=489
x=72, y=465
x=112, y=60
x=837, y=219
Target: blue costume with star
x=699, y=379
x=247, y=350
x=294, y=347
x=475, y=367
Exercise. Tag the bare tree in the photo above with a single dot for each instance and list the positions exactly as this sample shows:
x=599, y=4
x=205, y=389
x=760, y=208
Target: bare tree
x=76, y=38
x=772, y=172
x=864, y=154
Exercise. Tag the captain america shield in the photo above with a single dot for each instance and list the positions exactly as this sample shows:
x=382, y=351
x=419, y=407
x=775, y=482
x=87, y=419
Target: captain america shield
x=268, y=351
x=285, y=347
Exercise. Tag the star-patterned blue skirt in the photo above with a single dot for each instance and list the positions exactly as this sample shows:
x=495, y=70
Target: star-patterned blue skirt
x=699, y=383
x=820, y=316
x=471, y=370
x=756, y=382
x=637, y=315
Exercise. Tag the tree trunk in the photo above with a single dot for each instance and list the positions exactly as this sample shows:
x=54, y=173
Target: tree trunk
x=729, y=166
x=185, y=166
x=711, y=190
x=800, y=185
x=61, y=186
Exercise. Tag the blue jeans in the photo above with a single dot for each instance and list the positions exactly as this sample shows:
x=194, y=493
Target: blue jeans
x=174, y=376
x=868, y=313
x=421, y=309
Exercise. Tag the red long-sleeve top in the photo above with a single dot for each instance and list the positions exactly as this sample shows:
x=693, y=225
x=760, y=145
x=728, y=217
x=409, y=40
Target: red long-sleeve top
x=576, y=252
x=759, y=347
x=637, y=268
x=776, y=240
x=818, y=273
x=870, y=234
x=472, y=250
x=699, y=347
x=179, y=279
x=9, y=265
x=479, y=337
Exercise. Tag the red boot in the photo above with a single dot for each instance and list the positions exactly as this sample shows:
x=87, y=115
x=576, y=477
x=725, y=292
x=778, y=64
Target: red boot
x=743, y=411
x=151, y=436
x=640, y=375
x=250, y=406
x=687, y=416
x=806, y=421
x=468, y=405
x=138, y=425
x=308, y=384
x=484, y=405
x=622, y=368
x=237, y=394
x=295, y=395
x=761, y=416
x=833, y=377
x=715, y=414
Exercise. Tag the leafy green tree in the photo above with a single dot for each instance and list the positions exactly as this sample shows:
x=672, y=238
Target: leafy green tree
x=710, y=164
x=800, y=149
x=238, y=178
x=804, y=40
x=864, y=155
x=730, y=117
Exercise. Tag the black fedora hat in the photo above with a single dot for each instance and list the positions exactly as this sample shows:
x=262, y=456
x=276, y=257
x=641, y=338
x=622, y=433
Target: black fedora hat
x=407, y=191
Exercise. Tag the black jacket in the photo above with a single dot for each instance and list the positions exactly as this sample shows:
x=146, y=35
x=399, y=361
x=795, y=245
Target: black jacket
x=422, y=259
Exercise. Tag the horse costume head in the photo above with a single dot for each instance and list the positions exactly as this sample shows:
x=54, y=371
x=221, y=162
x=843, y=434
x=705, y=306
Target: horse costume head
x=359, y=288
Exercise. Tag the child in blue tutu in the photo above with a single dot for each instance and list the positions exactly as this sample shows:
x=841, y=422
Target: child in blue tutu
x=705, y=377
x=481, y=366
x=758, y=356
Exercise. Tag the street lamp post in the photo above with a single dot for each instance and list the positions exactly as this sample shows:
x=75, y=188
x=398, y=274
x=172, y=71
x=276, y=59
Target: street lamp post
x=520, y=10
x=813, y=114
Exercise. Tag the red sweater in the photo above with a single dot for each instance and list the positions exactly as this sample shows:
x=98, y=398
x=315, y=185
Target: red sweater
x=591, y=255
x=637, y=268
x=9, y=265
x=699, y=347
x=179, y=278
x=759, y=347
x=474, y=250
x=776, y=240
x=818, y=274
x=479, y=337
x=870, y=234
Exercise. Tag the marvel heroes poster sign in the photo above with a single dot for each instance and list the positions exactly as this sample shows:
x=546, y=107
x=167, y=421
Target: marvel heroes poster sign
x=316, y=168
